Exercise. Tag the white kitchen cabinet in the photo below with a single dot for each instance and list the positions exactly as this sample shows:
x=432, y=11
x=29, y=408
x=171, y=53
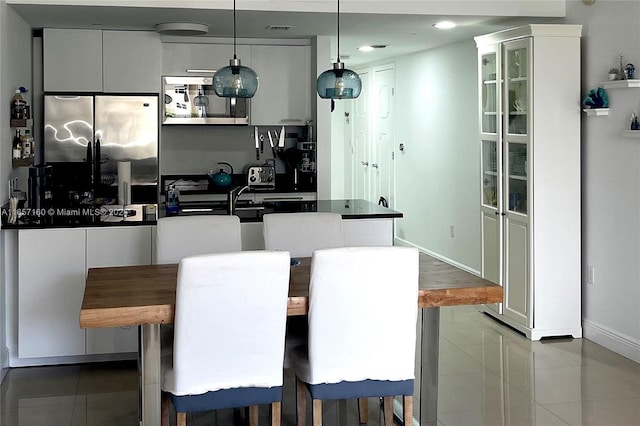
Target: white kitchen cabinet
x=357, y=232
x=368, y=232
x=131, y=61
x=177, y=58
x=52, y=268
x=284, y=92
x=530, y=176
x=101, y=61
x=117, y=246
x=252, y=236
x=72, y=60
x=51, y=276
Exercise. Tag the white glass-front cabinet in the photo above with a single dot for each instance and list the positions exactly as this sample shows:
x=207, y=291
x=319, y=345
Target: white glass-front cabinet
x=530, y=176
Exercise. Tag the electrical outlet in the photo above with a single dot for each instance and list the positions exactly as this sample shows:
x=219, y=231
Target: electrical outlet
x=590, y=274
x=452, y=231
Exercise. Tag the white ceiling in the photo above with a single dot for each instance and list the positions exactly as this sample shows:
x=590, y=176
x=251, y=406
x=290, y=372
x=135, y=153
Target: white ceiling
x=402, y=33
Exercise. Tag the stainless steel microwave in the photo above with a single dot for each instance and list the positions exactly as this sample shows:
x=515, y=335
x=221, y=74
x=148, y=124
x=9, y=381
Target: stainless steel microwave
x=191, y=100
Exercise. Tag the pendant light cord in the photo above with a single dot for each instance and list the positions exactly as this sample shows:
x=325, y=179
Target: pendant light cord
x=338, y=19
x=234, y=30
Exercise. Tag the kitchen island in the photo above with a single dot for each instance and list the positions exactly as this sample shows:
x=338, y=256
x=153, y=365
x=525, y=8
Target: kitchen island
x=364, y=223
x=47, y=263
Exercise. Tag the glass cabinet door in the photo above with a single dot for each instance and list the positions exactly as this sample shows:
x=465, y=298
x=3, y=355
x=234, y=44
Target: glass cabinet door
x=516, y=96
x=516, y=167
x=489, y=75
x=490, y=173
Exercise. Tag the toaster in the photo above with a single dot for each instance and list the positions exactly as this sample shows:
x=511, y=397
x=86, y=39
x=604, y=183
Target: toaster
x=263, y=176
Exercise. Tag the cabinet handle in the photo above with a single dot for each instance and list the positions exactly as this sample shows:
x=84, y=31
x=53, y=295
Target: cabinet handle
x=374, y=165
x=364, y=163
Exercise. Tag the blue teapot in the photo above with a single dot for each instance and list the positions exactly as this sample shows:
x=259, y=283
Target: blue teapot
x=221, y=178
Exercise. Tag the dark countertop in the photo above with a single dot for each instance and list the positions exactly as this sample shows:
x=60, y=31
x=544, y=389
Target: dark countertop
x=80, y=217
x=249, y=212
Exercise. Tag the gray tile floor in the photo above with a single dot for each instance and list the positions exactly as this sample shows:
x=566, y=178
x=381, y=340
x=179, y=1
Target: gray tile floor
x=489, y=375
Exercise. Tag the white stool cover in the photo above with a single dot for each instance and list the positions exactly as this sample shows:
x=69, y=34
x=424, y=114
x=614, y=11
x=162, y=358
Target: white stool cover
x=182, y=236
x=301, y=233
x=230, y=318
x=362, y=315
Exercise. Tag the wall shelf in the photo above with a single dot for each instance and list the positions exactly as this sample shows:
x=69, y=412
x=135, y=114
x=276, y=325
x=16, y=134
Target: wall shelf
x=596, y=111
x=632, y=133
x=621, y=84
x=21, y=123
x=21, y=162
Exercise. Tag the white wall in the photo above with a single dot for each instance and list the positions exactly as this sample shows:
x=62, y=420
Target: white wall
x=610, y=180
x=437, y=182
x=15, y=71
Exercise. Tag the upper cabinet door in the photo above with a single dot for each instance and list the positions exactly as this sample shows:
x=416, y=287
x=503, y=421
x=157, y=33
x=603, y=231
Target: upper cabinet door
x=490, y=89
x=72, y=60
x=131, y=61
x=177, y=58
x=517, y=94
x=284, y=91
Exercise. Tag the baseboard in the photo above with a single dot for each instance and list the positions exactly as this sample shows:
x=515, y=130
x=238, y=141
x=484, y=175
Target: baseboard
x=402, y=242
x=612, y=340
x=79, y=359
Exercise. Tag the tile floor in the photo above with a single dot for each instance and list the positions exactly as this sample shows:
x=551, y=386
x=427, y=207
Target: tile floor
x=489, y=375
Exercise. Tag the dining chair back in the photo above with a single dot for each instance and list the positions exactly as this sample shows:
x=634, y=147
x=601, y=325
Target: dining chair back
x=363, y=307
x=302, y=233
x=182, y=236
x=229, y=332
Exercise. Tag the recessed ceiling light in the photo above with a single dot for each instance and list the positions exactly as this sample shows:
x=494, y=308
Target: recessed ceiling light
x=182, y=28
x=444, y=25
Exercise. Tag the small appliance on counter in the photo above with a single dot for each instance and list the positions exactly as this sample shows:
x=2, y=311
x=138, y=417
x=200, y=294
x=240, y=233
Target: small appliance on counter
x=262, y=176
x=40, y=189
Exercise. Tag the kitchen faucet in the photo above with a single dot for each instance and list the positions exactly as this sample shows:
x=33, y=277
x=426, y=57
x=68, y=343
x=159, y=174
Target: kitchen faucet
x=232, y=198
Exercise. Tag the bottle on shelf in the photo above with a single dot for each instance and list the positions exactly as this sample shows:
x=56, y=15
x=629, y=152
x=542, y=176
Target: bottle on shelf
x=17, y=145
x=27, y=144
x=18, y=105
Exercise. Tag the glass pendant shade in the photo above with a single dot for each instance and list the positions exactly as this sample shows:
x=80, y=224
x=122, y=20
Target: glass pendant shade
x=235, y=81
x=339, y=83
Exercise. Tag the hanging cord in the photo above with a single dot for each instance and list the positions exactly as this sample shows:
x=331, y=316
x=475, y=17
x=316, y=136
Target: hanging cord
x=338, y=19
x=234, y=30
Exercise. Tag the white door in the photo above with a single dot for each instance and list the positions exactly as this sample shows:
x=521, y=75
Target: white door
x=383, y=128
x=361, y=141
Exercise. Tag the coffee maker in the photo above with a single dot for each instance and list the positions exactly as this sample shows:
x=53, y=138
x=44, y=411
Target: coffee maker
x=40, y=189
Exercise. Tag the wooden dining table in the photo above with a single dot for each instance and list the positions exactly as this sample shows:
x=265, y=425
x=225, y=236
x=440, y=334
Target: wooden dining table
x=145, y=296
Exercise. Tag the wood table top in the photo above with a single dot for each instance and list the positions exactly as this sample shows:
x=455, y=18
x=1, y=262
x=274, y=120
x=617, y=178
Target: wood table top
x=138, y=295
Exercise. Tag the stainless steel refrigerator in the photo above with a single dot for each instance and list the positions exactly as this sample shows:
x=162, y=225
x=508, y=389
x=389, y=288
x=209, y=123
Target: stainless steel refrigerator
x=126, y=130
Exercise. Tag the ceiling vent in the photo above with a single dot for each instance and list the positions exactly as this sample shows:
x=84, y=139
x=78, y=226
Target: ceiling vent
x=278, y=27
x=182, y=29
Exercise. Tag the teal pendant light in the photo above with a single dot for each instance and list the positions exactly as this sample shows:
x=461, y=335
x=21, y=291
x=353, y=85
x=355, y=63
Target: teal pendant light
x=235, y=80
x=339, y=82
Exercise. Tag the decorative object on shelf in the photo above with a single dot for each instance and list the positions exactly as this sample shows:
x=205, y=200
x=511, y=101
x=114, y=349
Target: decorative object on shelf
x=635, y=123
x=596, y=98
x=235, y=80
x=629, y=71
x=621, y=74
x=339, y=82
x=613, y=74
